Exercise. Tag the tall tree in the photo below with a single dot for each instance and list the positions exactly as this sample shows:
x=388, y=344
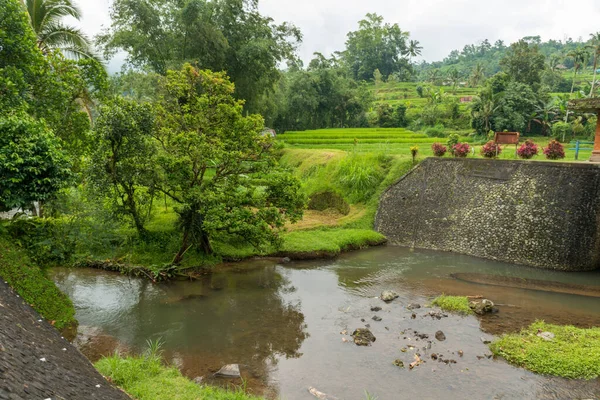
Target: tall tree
x=376, y=45
x=524, y=63
x=229, y=35
x=216, y=164
x=477, y=75
x=579, y=56
x=45, y=17
x=595, y=46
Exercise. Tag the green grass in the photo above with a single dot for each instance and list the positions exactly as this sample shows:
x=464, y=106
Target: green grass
x=146, y=378
x=334, y=240
x=458, y=304
x=30, y=282
x=573, y=353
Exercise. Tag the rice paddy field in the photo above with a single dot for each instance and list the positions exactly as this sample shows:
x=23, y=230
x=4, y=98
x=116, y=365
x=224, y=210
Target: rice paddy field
x=398, y=141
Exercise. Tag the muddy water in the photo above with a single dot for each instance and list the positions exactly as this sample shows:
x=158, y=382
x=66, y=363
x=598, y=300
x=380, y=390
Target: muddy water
x=283, y=324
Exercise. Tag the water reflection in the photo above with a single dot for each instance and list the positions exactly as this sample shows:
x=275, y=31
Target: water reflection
x=282, y=324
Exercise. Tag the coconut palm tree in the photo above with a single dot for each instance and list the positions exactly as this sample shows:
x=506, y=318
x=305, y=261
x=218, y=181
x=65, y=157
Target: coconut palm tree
x=45, y=17
x=544, y=115
x=595, y=46
x=414, y=49
x=579, y=56
x=454, y=78
x=477, y=75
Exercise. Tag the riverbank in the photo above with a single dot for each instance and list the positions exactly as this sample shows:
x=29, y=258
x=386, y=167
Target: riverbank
x=36, y=362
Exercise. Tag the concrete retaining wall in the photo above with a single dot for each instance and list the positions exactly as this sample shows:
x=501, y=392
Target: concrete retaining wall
x=542, y=214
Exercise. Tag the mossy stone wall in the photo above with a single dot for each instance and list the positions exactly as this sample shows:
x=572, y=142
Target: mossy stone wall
x=541, y=214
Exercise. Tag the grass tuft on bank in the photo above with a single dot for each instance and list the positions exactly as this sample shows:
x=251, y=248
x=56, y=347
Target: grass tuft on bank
x=146, y=378
x=30, y=282
x=572, y=353
x=457, y=304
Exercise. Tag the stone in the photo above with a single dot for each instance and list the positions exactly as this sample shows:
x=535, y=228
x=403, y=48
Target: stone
x=229, y=371
x=388, y=295
x=439, y=335
x=375, y=309
x=399, y=363
x=286, y=260
x=413, y=306
x=363, y=337
x=376, y=318
x=482, y=307
x=198, y=380
x=548, y=336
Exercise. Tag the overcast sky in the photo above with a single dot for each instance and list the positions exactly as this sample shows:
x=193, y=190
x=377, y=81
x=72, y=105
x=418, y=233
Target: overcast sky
x=440, y=25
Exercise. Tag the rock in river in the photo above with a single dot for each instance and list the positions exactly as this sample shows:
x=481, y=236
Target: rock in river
x=413, y=306
x=482, y=307
x=229, y=371
x=439, y=335
x=388, y=295
x=363, y=337
x=375, y=309
x=376, y=318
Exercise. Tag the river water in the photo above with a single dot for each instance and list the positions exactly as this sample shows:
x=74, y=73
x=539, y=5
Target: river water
x=288, y=325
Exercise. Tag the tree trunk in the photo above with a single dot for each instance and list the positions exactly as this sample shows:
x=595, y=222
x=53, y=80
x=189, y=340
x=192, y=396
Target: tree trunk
x=571, y=95
x=594, y=79
x=184, y=247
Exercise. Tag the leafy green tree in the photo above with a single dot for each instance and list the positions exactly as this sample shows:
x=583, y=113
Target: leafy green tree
x=216, y=164
x=545, y=112
x=229, y=35
x=21, y=61
x=32, y=164
x=123, y=163
x=376, y=45
x=524, y=63
x=45, y=17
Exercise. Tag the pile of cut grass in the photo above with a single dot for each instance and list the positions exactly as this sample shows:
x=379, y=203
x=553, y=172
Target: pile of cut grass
x=457, y=304
x=572, y=353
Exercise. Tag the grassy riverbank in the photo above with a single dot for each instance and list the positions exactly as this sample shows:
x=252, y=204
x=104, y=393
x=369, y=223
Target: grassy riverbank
x=569, y=352
x=30, y=282
x=146, y=378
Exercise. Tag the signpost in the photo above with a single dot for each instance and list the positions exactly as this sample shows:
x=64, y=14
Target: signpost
x=507, y=138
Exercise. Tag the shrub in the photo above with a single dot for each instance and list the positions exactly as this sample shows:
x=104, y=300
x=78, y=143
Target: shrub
x=562, y=130
x=435, y=131
x=554, y=151
x=461, y=149
x=490, y=149
x=439, y=149
x=528, y=150
x=452, y=140
x=414, y=150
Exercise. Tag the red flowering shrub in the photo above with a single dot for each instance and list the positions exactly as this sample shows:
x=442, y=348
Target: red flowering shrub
x=439, y=149
x=554, y=151
x=461, y=149
x=528, y=150
x=490, y=149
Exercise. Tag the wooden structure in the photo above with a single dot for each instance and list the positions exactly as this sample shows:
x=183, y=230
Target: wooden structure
x=501, y=138
x=591, y=105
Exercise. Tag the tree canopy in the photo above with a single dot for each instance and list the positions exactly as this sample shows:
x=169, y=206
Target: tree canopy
x=221, y=35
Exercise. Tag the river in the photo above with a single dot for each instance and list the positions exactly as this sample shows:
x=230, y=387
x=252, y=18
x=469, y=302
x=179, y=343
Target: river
x=288, y=325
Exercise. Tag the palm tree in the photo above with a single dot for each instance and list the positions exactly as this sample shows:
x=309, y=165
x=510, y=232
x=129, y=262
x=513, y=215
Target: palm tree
x=414, y=49
x=454, y=77
x=484, y=107
x=434, y=76
x=544, y=115
x=45, y=17
x=595, y=46
x=579, y=56
x=477, y=75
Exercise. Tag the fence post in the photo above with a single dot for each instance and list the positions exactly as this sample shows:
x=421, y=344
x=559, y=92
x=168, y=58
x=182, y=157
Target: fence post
x=576, y=150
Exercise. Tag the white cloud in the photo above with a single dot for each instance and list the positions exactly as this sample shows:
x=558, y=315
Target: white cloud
x=440, y=25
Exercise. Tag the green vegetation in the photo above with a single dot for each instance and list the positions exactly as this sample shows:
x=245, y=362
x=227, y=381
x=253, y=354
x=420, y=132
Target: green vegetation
x=34, y=287
x=571, y=353
x=458, y=304
x=146, y=378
